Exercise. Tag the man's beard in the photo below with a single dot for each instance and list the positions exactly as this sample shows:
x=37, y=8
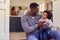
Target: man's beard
x=34, y=14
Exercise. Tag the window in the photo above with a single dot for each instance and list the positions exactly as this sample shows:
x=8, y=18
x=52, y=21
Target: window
x=41, y=7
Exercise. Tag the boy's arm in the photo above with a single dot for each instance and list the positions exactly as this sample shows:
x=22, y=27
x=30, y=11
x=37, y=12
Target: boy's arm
x=50, y=23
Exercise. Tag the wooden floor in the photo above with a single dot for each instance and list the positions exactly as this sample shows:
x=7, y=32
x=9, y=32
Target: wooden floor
x=17, y=36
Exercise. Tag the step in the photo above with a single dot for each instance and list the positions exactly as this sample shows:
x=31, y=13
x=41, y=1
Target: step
x=17, y=36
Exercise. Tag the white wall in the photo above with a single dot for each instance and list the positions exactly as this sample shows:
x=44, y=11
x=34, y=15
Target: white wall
x=56, y=12
x=23, y=2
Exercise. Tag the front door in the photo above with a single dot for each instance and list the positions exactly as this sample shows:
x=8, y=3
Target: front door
x=4, y=19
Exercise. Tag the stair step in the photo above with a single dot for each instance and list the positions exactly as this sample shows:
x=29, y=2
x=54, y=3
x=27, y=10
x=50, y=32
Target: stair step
x=17, y=36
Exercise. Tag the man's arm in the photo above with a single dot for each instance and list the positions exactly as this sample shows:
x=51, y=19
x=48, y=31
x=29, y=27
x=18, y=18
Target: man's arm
x=26, y=26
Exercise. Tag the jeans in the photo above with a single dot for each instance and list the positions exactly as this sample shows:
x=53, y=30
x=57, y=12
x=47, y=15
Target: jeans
x=44, y=34
x=53, y=33
x=33, y=36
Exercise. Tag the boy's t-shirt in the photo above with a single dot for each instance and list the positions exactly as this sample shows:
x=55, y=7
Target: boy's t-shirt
x=50, y=24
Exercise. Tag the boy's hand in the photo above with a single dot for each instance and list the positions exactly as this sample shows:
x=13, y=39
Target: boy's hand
x=45, y=25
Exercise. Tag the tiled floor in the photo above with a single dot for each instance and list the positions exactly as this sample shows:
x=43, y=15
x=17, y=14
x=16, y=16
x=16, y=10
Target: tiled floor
x=17, y=36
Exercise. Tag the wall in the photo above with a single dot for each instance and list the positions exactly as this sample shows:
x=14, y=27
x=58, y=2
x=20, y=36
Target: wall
x=24, y=2
x=56, y=12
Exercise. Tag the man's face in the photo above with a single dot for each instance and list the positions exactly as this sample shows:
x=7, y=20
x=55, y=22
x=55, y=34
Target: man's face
x=34, y=10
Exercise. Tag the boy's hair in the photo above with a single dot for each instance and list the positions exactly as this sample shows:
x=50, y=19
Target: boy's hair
x=50, y=15
x=33, y=5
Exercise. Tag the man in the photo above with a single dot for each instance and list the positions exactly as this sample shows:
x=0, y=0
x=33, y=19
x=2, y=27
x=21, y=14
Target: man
x=30, y=23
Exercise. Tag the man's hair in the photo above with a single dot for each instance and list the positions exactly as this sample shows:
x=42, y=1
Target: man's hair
x=33, y=5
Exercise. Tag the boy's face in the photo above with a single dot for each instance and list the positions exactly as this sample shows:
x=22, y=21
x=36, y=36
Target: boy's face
x=44, y=15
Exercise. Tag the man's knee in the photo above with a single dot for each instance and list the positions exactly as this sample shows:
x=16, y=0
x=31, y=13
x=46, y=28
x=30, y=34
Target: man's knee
x=55, y=34
x=32, y=38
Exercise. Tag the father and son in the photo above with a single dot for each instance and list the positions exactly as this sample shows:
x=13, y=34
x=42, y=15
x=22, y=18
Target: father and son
x=38, y=26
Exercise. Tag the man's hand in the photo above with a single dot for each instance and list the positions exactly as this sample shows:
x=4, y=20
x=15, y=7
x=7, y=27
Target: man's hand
x=40, y=24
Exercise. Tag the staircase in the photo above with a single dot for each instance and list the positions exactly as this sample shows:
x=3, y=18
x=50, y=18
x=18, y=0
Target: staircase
x=17, y=36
